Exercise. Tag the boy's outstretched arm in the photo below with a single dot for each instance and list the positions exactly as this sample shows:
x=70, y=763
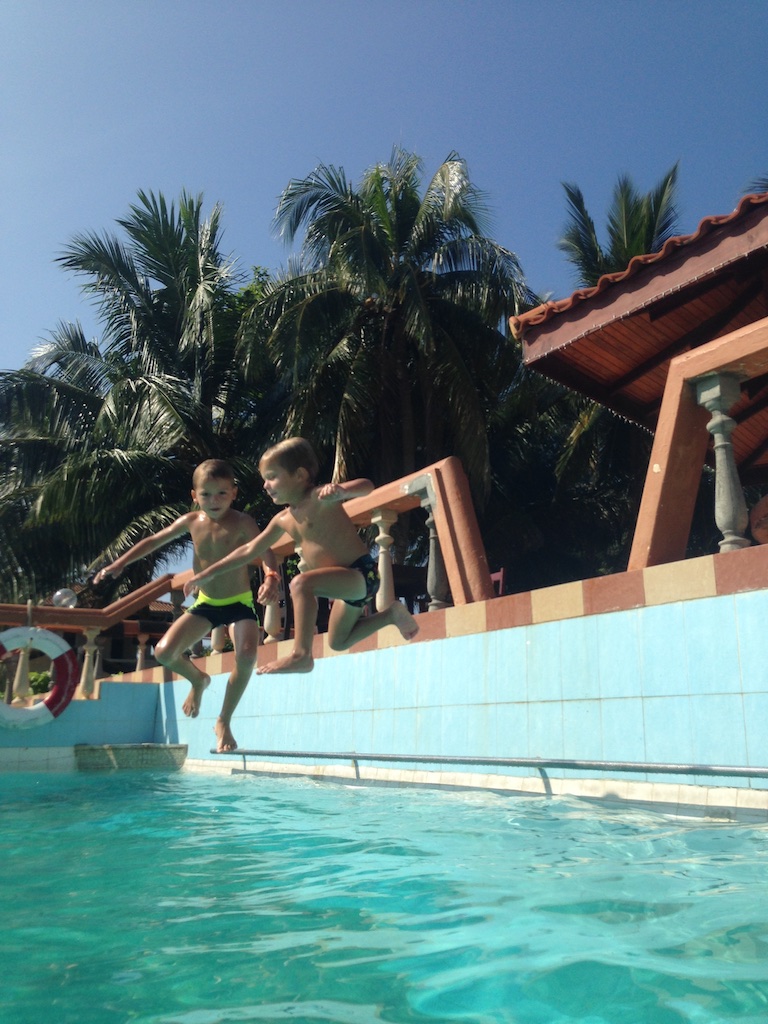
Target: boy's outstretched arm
x=243, y=555
x=269, y=560
x=342, y=492
x=145, y=547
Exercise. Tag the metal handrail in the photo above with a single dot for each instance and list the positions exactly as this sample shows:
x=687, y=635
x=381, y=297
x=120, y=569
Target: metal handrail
x=537, y=763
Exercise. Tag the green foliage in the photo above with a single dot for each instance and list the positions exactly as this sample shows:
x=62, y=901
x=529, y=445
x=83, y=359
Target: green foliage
x=98, y=440
x=638, y=223
x=386, y=331
x=39, y=682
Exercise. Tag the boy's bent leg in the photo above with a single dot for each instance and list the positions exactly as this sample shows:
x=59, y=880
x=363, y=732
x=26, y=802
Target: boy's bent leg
x=170, y=652
x=245, y=636
x=349, y=626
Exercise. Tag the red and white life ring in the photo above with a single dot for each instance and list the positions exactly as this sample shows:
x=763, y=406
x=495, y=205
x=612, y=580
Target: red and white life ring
x=67, y=676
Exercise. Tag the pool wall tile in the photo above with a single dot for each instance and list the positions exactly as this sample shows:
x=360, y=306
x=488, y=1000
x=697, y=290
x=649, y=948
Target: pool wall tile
x=668, y=730
x=582, y=730
x=755, y=719
x=751, y=612
x=405, y=735
x=510, y=722
x=578, y=643
x=505, y=666
x=718, y=729
x=713, y=661
x=545, y=729
x=664, y=665
x=622, y=729
x=382, y=732
x=455, y=730
x=429, y=723
x=617, y=657
x=544, y=675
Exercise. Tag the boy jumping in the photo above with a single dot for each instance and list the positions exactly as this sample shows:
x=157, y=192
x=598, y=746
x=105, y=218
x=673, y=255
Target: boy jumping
x=216, y=530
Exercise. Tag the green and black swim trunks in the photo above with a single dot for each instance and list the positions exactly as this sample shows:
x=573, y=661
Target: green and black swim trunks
x=226, y=610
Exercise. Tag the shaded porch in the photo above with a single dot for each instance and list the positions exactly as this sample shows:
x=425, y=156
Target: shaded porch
x=676, y=343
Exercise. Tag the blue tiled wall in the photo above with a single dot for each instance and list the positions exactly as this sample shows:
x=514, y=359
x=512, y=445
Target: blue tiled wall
x=683, y=682
x=125, y=714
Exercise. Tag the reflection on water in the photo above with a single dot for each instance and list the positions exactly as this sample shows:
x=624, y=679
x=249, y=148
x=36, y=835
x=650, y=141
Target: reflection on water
x=189, y=899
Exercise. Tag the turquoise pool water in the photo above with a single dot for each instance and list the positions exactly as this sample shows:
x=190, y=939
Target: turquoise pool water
x=193, y=899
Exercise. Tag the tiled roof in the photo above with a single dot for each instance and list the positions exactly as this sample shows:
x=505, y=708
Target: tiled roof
x=540, y=314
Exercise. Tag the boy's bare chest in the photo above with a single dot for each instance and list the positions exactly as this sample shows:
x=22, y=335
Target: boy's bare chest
x=310, y=522
x=214, y=540
x=320, y=527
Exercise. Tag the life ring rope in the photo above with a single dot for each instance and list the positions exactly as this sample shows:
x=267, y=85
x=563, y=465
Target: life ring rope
x=66, y=672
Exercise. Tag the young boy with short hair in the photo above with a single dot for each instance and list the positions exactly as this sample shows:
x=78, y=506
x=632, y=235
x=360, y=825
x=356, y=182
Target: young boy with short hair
x=337, y=563
x=216, y=530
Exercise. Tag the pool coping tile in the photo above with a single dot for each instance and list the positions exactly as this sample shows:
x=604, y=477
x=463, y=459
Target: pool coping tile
x=680, y=581
x=564, y=601
x=737, y=571
x=614, y=593
x=509, y=611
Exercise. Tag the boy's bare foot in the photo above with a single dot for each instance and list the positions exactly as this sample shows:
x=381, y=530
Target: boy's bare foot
x=224, y=739
x=191, y=706
x=404, y=621
x=293, y=663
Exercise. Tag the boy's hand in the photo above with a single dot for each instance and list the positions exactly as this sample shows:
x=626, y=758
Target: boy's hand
x=269, y=591
x=108, y=572
x=190, y=587
x=330, y=492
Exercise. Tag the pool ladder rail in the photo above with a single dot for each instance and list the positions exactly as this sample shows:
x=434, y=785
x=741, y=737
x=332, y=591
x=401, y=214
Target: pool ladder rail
x=539, y=764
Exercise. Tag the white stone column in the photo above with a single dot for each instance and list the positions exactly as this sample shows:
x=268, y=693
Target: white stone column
x=719, y=392
x=437, y=578
x=88, y=671
x=383, y=519
x=141, y=651
x=21, y=676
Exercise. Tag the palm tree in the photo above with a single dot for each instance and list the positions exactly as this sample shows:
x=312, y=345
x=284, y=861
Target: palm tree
x=638, y=223
x=98, y=441
x=601, y=450
x=389, y=328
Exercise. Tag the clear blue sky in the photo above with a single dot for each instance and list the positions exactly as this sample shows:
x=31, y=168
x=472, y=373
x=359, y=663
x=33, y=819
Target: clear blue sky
x=101, y=98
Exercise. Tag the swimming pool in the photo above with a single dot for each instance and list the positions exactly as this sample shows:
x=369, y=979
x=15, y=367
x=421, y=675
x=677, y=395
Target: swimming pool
x=197, y=899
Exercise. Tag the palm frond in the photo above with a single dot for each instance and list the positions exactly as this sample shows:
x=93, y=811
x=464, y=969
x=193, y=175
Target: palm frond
x=579, y=241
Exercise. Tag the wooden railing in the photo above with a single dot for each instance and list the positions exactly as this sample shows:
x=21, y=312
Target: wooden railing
x=457, y=567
